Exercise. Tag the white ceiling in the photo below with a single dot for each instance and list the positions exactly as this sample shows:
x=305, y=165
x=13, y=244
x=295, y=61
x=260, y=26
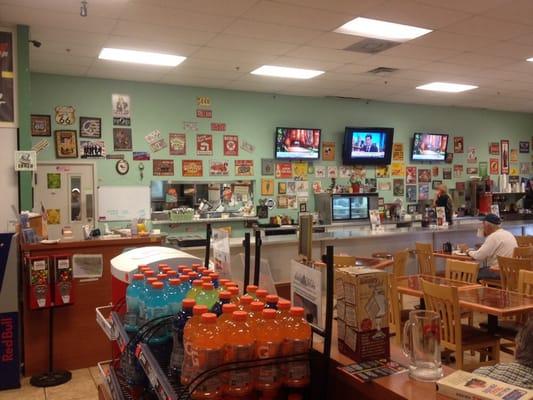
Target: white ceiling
x=480, y=42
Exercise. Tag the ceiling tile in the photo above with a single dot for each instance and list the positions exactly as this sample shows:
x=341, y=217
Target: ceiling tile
x=96, y=8
x=176, y=18
x=194, y=81
x=65, y=49
x=56, y=68
x=474, y=59
x=323, y=54
x=453, y=41
x=226, y=41
x=520, y=11
x=285, y=61
x=297, y=16
x=333, y=40
x=220, y=64
x=412, y=13
x=489, y=27
x=382, y=60
x=346, y=6
x=57, y=58
x=507, y=49
x=267, y=31
x=192, y=71
x=162, y=33
x=124, y=71
x=130, y=43
x=415, y=52
x=236, y=56
x=73, y=37
x=231, y=8
x=470, y=6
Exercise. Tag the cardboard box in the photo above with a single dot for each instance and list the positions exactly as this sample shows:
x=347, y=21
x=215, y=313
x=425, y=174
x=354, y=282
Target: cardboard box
x=467, y=386
x=363, y=297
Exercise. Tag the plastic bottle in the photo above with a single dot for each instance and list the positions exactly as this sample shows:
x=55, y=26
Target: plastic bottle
x=224, y=297
x=214, y=278
x=244, y=303
x=195, y=290
x=284, y=307
x=163, y=278
x=145, y=294
x=185, y=286
x=172, y=274
x=208, y=349
x=208, y=296
x=251, y=291
x=201, y=271
x=181, y=267
x=156, y=307
x=272, y=301
x=231, y=283
x=206, y=279
x=261, y=295
x=234, y=294
x=195, y=266
x=162, y=266
x=174, y=295
x=191, y=328
x=256, y=309
x=268, y=344
x=192, y=276
x=142, y=267
x=297, y=334
x=133, y=294
x=227, y=312
x=239, y=341
x=178, y=324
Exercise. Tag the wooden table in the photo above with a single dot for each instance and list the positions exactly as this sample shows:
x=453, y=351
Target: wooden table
x=412, y=284
x=495, y=303
x=452, y=256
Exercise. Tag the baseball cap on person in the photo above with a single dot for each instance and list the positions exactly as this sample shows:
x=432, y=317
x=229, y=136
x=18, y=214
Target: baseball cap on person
x=493, y=219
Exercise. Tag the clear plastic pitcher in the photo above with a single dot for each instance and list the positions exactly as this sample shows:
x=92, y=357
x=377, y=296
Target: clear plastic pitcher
x=421, y=343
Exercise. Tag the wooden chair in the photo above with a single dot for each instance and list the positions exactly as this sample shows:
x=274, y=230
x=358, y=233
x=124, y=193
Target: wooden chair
x=400, y=262
x=525, y=282
x=523, y=252
x=509, y=268
x=455, y=336
x=464, y=271
x=397, y=315
x=426, y=259
x=524, y=241
x=344, y=261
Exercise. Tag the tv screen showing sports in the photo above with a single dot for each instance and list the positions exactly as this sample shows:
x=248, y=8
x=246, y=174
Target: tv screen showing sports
x=429, y=147
x=367, y=146
x=297, y=144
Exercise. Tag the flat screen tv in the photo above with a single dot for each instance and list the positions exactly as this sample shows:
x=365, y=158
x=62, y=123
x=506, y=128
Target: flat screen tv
x=429, y=147
x=367, y=146
x=345, y=208
x=297, y=143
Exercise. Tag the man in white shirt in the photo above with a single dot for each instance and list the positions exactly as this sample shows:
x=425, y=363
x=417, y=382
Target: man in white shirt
x=498, y=242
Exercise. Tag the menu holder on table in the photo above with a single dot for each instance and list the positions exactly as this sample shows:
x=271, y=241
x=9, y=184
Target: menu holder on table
x=370, y=370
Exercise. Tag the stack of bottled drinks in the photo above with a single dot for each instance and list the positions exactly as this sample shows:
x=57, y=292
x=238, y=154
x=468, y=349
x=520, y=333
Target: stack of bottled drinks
x=212, y=324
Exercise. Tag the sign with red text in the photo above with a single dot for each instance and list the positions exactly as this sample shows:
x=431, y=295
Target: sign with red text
x=192, y=168
x=204, y=145
x=200, y=113
x=284, y=170
x=244, y=167
x=218, y=126
x=231, y=145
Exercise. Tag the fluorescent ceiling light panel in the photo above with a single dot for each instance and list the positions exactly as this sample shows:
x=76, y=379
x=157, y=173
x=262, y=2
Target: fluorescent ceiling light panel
x=373, y=28
x=140, y=57
x=530, y=59
x=446, y=87
x=286, y=72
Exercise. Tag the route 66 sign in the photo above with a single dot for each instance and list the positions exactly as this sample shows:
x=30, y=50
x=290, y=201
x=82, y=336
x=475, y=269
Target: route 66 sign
x=65, y=115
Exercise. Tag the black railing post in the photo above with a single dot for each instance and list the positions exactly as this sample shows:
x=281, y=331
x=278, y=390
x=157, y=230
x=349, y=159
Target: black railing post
x=208, y=233
x=257, y=269
x=246, y=245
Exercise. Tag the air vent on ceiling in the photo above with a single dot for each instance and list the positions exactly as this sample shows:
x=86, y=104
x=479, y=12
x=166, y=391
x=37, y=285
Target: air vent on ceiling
x=382, y=71
x=371, y=46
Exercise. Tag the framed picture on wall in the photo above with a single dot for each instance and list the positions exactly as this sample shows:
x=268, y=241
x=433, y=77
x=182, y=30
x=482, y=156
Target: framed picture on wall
x=90, y=127
x=504, y=145
x=122, y=139
x=41, y=125
x=66, y=144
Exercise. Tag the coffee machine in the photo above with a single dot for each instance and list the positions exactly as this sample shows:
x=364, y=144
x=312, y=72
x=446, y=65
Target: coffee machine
x=479, y=196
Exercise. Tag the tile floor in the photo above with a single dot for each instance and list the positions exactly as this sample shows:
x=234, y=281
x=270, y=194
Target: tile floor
x=83, y=386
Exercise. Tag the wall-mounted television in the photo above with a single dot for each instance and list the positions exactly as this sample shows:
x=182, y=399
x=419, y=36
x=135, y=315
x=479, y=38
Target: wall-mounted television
x=367, y=146
x=297, y=143
x=429, y=147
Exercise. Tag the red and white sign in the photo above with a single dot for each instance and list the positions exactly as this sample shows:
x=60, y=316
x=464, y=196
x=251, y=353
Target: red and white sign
x=244, y=167
x=192, y=168
x=218, y=126
x=200, y=113
x=284, y=170
x=231, y=145
x=204, y=145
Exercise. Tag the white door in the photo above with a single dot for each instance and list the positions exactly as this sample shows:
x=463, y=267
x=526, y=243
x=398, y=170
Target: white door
x=66, y=193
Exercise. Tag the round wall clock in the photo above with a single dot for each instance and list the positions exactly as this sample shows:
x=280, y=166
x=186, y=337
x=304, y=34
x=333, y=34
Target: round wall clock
x=122, y=167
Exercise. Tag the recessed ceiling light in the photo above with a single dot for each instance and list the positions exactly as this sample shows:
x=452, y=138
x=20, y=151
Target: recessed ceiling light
x=446, y=87
x=530, y=59
x=377, y=29
x=286, y=72
x=140, y=57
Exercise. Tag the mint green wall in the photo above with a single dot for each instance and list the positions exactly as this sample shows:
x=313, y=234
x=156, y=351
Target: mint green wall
x=253, y=117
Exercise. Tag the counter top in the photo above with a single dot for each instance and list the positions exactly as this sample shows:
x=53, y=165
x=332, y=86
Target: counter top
x=97, y=242
x=205, y=220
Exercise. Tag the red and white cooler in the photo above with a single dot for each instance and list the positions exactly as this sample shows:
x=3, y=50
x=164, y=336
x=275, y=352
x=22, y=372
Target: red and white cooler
x=125, y=265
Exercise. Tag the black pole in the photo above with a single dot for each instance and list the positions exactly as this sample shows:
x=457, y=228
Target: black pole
x=208, y=233
x=51, y=378
x=257, y=269
x=329, y=320
x=246, y=245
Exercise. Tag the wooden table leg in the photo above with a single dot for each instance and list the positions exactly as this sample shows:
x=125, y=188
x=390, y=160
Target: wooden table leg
x=492, y=323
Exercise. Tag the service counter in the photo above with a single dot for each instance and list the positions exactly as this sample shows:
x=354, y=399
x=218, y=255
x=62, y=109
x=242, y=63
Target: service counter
x=362, y=241
x=78, y=341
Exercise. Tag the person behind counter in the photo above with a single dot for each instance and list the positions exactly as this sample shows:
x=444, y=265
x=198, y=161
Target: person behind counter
x=520, y=371
x=528, y=198
x=443, y=199
x=498, y=242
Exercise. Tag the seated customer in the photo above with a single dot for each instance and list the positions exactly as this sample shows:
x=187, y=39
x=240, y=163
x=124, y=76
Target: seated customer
x=519, y=372
x=498, y=242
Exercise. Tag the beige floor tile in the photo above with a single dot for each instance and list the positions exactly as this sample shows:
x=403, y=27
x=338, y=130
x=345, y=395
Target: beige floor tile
x=81, y=387
x=95, y=373
x=26, y=392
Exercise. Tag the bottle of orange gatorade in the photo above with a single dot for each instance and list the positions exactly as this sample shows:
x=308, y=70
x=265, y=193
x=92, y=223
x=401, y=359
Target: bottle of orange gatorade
x=268, y=336
x=208, y=353
x=297, y=333
x=261, y=295
x=191, y=328
x=244, y=303
x=239, y=341
x=284, y=307
x=234, y=290
x=250, y=291
x=256, y=308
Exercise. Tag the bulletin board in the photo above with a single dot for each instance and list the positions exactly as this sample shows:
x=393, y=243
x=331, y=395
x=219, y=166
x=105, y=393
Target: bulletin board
x=123, y=203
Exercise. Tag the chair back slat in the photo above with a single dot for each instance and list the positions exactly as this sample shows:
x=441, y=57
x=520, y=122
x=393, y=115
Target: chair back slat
x=524, y=241
x=525, y=282
x=509, y=269
x=523, y=252
x=400, y=263
x=464, y=271
x=426, y=259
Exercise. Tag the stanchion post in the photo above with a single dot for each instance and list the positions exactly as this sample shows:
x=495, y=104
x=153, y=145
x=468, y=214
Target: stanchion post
x=246, y=245
x=257, y=269
x=208, y=233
